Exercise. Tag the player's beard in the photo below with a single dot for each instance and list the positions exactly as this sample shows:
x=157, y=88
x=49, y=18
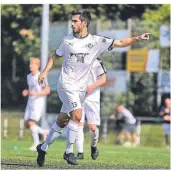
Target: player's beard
x=77, y=33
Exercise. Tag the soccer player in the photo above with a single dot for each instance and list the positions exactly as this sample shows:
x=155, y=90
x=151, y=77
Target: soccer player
x=91, y=109
x=129, y=126
x=80, y=50
x=34, y=109
x=165, y=114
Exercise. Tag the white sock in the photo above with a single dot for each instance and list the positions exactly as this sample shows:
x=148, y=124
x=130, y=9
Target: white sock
x=71, y=135
x=80, y=140
x=94, y=137
x=54, y=132
x=35, y=135
x=40, y=130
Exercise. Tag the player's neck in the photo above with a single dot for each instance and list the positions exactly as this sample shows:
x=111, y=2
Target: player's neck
x=82, y=34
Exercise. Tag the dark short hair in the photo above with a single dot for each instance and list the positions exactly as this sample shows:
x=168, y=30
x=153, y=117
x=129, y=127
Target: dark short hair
x=84, y=15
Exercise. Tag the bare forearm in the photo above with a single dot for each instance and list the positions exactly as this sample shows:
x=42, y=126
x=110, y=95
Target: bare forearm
x=44, y=92
x=49, y=64
x=129, y=41
x=125, y=42
x=100, y=81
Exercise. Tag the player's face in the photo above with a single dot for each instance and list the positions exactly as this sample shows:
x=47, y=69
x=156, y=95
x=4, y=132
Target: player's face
x=120, y=108
x=33, y=66
x=77, y=24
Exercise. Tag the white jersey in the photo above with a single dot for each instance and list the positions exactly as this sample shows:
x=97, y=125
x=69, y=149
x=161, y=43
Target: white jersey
x=128, y=115
x=79, y=54
x=97, y=70
x=33, y=85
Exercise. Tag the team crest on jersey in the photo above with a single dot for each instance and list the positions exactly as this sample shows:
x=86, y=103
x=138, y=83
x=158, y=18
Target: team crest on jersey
x=80, y=56
x=89, y=45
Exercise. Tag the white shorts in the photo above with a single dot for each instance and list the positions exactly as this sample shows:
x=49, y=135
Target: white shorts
x=166, y=128
x=71, y=100
x=33, y=112
x=92, y=112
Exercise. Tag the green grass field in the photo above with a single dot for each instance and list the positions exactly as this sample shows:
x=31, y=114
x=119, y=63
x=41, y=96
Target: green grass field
x=152, y=153
x=111, y=157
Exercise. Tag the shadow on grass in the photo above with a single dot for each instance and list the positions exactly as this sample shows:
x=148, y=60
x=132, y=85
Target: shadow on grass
x=16, y=164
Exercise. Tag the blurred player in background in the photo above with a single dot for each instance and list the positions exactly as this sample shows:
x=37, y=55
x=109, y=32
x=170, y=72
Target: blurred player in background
x=80, y=49
x=119, y=128
x=165, y=114
x=129, y=126
x=91, y=109
x=34, y=108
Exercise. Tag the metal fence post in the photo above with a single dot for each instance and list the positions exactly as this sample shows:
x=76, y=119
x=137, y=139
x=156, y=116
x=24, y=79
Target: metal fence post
x=139, y=130
x=21, y=129
x=5, y=128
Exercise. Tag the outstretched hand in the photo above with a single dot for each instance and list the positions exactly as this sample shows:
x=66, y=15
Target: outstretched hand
x=144, y=36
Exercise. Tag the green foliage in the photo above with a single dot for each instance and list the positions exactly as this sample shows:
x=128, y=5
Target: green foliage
x=20, y=40
x=143, y=86
x=152, y=20
x=53, y=103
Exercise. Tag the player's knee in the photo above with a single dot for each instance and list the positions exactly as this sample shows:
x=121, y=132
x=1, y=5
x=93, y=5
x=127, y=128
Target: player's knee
x=62, y=120
x=77, y=115
x=62, y=123
x=76, y=118
x=30, y=123
x=92, y=128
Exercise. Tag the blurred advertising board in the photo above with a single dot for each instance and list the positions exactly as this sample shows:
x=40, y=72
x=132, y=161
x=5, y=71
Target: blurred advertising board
x=143, y=60
x=164, y=36
x=164, y=81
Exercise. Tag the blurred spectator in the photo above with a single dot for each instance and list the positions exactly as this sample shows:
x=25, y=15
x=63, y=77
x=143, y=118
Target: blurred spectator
x=128, y=130
x=119, y=127
x=165, y=114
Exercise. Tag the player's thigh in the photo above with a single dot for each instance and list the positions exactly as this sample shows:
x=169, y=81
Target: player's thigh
x=72, y=102
x=125, y=130
x=33, y=112
x=82, y=118
x=131, y=128
x=76, y=115
x=36, y=112
x=26, y=114
x=92, y=112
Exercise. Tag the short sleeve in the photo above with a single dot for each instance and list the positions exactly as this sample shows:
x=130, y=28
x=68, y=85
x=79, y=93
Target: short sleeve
x=60, y=50
x=104, y=43
x=100, y=68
